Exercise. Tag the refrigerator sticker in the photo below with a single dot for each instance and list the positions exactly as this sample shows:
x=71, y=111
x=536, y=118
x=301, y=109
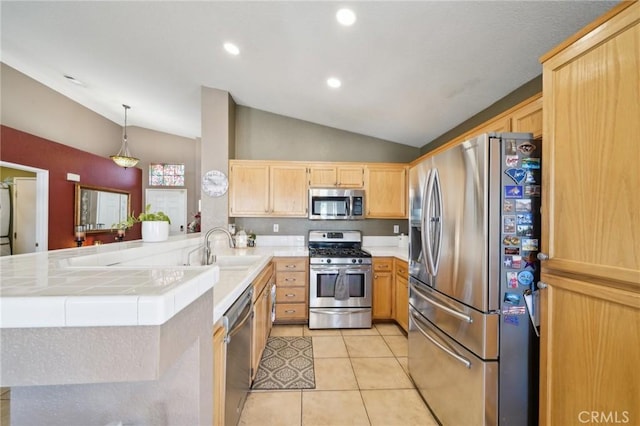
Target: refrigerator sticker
x=512, y=280
x=532, y=190
x=510, y=147
x=516, y=262
x=518, y=175
x=525, y=278
x=525, y=230
x=526, y=148
x=512, y=191
x=530, y=177
x=530, y=163
x=529, y=258
x=511, y=241
x=523, y=205
x=515, y=310
x=507, y=206
x=511, y=319
x=512, y=298
x=529, y=244
x=511, y=160
x=512, y=251
x=508, y=224
x=524, y=219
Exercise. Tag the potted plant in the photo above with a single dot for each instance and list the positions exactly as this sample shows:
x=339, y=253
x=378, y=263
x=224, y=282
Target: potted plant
x=155, y=225
x=122, y=226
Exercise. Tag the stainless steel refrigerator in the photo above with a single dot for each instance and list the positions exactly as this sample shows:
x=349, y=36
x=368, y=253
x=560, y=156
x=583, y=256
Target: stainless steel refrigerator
x=474, y=237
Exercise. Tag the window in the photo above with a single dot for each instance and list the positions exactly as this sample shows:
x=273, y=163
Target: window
x=166, y=174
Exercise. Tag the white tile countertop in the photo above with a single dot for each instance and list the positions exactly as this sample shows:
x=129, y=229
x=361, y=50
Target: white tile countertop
x=136, y=283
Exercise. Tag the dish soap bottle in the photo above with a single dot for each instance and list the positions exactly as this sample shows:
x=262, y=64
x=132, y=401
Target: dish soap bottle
x=241, y=239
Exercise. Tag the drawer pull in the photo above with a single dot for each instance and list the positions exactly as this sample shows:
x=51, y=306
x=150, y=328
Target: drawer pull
x=290, y=279
x=290, y=311
x=293, y=266
x=290, y=295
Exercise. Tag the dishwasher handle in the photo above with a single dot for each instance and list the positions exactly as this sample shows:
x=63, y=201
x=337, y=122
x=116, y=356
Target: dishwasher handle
x=237, y=325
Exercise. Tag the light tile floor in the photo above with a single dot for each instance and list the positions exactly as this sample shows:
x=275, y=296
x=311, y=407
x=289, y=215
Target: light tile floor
x=361, y=379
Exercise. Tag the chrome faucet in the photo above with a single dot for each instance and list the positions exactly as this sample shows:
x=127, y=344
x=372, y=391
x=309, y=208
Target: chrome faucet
x=209, y=258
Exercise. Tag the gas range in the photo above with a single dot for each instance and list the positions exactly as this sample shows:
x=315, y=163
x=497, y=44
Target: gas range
x=337, y=248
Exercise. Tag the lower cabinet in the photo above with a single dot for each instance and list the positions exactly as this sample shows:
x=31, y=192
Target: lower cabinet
x=292, y=292
x=219, y=373
x=261, y=319
x=402, y=294
x=382, y=288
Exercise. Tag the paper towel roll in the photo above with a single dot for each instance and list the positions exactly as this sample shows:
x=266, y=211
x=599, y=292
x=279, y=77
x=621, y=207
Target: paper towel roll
x=403, y=241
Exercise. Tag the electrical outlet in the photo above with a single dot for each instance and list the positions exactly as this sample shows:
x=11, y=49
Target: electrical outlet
x=396, y=229
x=276, y=228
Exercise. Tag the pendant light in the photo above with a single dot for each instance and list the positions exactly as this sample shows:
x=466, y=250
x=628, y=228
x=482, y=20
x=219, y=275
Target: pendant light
x=123, y=158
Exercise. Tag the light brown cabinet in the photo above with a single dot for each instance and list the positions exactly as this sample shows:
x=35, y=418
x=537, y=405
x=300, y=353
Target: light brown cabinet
x=590, y=314
x=386, y=191
x=382, y=288
x=528, y=119
x=401, y=294
x=292, y=293
x=332, y=175
x=260, y=188
x=261, y=320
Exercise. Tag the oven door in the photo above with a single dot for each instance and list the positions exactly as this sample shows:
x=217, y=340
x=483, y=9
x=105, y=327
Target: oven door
x=324, y=280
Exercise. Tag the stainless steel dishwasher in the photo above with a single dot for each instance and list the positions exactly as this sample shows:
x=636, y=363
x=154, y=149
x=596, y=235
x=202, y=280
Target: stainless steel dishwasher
x=238, y=340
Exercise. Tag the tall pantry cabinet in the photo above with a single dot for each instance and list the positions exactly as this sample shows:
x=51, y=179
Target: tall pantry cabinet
x=590, y=308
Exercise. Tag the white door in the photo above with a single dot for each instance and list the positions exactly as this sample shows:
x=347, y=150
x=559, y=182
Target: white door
x=173, y=202
x=24, y=215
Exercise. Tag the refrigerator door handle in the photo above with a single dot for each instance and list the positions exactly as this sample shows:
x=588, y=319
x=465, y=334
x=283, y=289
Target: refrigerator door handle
x=438, y=220
x=446, y=350
x=438, y=305
x=423, y=224
x=427, y=220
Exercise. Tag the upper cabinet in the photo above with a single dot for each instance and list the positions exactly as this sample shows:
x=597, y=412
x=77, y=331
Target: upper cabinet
x=528, y=119
x=386, y=191
x=262, y=188
x=332, y=175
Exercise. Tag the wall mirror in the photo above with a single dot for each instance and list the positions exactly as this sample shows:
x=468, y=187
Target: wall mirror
x=97, y=209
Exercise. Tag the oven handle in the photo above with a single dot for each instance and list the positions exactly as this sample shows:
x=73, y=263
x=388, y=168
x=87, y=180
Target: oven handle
x=346, y=311
x=347, y=269
x=447, y=309
x=449, y=352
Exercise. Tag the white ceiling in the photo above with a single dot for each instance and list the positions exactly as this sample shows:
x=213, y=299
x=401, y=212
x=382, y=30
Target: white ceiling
x=410, y=70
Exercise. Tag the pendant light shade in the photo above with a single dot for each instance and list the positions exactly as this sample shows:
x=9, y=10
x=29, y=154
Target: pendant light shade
x=123, y=158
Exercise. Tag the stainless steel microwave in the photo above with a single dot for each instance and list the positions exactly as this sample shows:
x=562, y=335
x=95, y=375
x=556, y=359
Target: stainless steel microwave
x=336, y=204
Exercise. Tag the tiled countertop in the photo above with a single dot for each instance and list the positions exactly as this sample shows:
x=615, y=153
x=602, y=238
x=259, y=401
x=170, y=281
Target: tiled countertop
x=76, y=287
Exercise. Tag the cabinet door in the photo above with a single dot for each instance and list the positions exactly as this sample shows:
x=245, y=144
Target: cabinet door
x=288, y=190
x=219, y=375
x=383, y=292
x=590, y=216
x=325, y=176
x=402, y=301
x=386, y=191
x=350, y=176
x=249, y=189
x=528, y=119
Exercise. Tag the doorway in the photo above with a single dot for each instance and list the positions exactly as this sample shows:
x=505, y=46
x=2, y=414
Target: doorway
x=41, y=208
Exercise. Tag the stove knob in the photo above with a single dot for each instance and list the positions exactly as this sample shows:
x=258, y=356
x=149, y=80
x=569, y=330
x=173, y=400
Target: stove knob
x=353, y=261
x=328, y=260
x=359, y=260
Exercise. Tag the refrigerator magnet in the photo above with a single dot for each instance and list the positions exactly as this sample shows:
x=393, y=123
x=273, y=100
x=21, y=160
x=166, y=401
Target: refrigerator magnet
x=512, y=191
x=508, y=224
x=529, y=258
x=530, y=163
x=525, y=230
x=511, y=320
x=514, y=310
x=529, y=244
x=523, y=205
x=511, y=160
x=516, y=262
x=526, y=148
x=507, y=206
x=524, y=218
x=512, y=298
x=512, y=280
x=532, y=190
x=518, y=175
x=530, y=177
x=525, y=278
x=510, y=147
x=511, y=241
x=512, y=251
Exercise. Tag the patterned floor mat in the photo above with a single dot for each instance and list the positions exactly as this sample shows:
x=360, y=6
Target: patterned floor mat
x=287, y=363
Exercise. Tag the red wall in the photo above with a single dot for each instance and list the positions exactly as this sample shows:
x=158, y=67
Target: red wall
x=29, y=150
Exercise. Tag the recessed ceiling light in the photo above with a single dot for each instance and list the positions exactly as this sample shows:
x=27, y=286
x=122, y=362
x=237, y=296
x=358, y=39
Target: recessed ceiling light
x=346, y=17
x=334, y=82
x=232, y=48
x=74, y=80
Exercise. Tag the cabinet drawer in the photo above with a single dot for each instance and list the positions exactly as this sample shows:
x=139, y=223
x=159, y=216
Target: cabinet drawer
x=383, y=264
x=291, y=311
x=292, y=264
x=402, y=269
x=290, y=294
x=291, y=279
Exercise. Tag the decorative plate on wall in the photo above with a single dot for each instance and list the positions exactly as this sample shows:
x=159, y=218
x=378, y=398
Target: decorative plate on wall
x=214, y=183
